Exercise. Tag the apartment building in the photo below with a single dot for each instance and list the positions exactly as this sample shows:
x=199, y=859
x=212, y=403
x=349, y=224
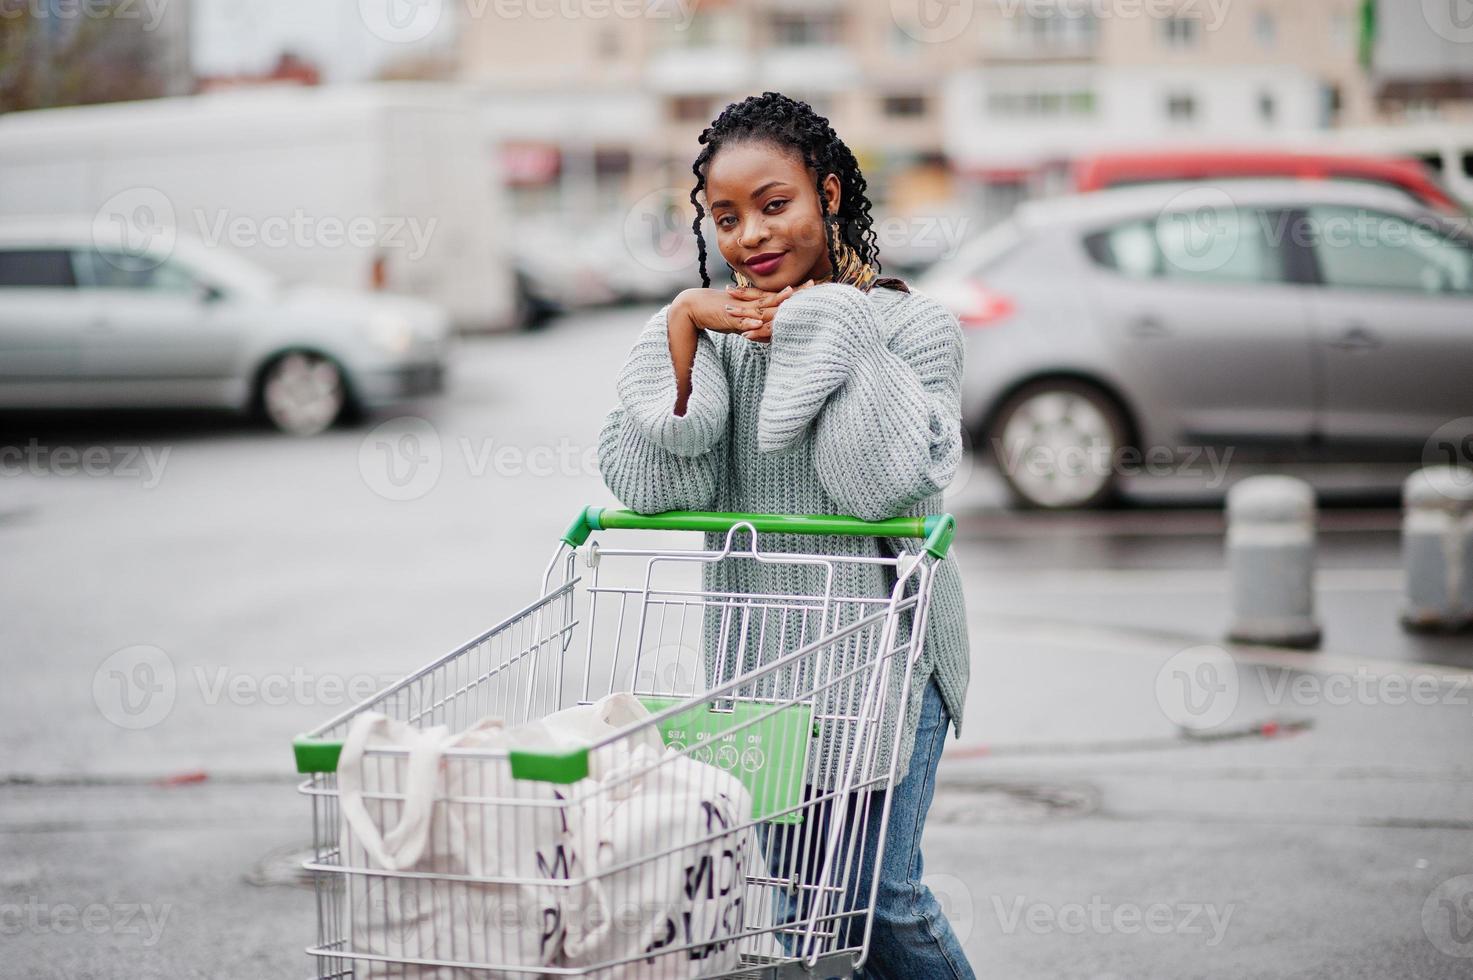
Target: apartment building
x=601, y=99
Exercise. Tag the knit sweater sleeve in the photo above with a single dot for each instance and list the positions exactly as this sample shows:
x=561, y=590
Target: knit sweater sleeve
x=884, y=397
x=652, y=459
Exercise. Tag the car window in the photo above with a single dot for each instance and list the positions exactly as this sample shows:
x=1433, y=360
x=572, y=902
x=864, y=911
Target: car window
x=39, y=268
x=1358, y=248
x=1229, y=245
x=109, y=269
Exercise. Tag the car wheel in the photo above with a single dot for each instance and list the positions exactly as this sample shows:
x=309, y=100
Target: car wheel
x=303, y=393
x=1056, y=443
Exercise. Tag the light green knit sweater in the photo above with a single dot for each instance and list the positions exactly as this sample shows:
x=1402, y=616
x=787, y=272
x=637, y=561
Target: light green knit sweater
x=852, y=408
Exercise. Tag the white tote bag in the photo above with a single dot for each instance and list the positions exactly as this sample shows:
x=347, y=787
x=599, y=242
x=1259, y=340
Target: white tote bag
x=423, y=830
x=672, y=821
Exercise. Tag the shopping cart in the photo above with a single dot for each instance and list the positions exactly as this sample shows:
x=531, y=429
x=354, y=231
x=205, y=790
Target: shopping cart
x=791, y=691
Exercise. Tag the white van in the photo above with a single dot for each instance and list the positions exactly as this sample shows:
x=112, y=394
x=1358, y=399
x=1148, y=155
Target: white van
x=1445, y=148
x=386, y=186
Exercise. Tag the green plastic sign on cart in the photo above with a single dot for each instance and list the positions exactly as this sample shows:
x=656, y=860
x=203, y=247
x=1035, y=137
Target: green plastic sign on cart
x=766, y=753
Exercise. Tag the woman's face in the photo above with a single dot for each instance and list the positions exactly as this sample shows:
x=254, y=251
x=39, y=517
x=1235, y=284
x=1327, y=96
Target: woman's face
x=765, y=207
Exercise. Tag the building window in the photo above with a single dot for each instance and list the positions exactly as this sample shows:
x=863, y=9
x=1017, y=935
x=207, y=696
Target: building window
x=904, y=106
x=691, y=108
x=801, y=30
x=1057, y=29
x=1265, y=28
x=1330, y=104
x=1181, y=32
x=1267, y=108
x=1181, y=108
x=1341, y=33
x=1041, y=105
x=608, y=43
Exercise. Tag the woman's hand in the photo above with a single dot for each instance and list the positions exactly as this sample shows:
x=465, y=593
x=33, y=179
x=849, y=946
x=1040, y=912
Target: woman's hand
x=744, y=310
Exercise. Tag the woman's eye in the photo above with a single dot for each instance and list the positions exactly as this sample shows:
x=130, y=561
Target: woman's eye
x=778, y=201
x=725, y=221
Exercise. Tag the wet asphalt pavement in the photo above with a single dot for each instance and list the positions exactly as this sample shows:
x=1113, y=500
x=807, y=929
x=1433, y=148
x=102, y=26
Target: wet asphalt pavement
x=1322, y=826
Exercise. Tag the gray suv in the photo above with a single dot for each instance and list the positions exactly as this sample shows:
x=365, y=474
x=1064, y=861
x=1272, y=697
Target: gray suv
x=1325, y=321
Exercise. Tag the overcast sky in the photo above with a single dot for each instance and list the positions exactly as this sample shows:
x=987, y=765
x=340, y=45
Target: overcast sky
x=348, y=39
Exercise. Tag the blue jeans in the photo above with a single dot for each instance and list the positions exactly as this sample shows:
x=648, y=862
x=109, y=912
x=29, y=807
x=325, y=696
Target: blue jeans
x=911, y=937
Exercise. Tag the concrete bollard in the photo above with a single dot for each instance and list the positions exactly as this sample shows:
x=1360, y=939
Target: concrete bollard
x=1270, y=556
x=1437, y=549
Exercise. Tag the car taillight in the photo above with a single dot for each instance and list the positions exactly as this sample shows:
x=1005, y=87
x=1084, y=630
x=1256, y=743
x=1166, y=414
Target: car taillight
x=378, y=275
x=982, y=307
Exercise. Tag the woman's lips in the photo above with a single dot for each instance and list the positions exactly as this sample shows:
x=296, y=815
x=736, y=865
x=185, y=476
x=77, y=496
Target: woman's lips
x=765, y=265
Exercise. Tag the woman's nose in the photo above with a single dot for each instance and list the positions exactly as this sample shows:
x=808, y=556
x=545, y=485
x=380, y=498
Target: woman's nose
x=754, y=233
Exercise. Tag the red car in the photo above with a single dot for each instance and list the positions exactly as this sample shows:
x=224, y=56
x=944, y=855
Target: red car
x=1118, y=169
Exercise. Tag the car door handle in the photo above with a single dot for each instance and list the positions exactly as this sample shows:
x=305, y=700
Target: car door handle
x=1148, y=327
x=1356, y=338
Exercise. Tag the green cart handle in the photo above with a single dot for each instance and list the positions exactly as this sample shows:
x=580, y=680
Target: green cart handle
x=937, y=530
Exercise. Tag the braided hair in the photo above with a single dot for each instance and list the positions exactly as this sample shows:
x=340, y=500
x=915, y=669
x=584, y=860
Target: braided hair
x=784, y=122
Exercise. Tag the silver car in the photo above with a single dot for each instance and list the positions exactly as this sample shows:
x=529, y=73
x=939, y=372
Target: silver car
x=1322, y=321
x=92, y=319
